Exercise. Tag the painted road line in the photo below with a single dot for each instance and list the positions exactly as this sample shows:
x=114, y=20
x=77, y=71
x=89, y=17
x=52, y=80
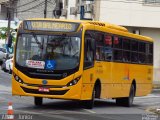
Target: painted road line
x=2, y=99
x=28, y=112
x=5, y=92
x=149, y=96
x=5, y=88
x=90, y=111
x=59, y=117
x=64, y=112
x=153, y=103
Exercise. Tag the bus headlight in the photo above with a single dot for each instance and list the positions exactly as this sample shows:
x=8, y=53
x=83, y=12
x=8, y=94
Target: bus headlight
x=74, y=82
x=18, y=79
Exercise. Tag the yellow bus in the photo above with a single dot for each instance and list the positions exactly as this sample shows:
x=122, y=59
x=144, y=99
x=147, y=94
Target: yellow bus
x=81, y=60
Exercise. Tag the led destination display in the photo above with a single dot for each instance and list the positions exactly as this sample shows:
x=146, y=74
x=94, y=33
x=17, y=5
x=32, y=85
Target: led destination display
x=53, y=26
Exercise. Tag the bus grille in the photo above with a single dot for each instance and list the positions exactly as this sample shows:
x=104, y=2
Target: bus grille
x=51, y=92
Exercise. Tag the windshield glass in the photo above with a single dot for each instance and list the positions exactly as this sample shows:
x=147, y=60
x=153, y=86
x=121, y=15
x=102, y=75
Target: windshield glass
x=53, y=52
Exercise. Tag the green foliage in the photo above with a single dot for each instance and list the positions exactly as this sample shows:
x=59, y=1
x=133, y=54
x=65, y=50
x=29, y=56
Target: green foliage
x=3, y=33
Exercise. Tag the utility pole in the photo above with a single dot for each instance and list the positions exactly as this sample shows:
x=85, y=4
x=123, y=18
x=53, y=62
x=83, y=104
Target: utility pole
x=45, y=9
x=9, y=20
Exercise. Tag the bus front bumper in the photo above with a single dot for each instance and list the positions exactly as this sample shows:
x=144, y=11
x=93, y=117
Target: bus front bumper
x=71, y=92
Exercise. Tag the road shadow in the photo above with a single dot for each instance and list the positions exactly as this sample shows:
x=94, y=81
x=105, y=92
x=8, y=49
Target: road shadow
x=71, y=105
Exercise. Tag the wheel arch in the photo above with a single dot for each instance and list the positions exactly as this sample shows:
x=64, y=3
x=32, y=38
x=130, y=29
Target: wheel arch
x=135, y=86
x=98, y=88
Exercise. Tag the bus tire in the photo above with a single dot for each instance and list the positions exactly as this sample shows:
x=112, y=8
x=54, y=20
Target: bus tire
x=89, y=104
x=119, y=101
x=38, y=101
x=127, y=101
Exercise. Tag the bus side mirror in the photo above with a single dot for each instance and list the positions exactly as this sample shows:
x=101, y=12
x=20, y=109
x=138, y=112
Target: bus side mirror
x=9, y=44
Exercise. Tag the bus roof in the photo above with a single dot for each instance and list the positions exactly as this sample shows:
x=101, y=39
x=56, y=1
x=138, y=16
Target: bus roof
x=103, y=25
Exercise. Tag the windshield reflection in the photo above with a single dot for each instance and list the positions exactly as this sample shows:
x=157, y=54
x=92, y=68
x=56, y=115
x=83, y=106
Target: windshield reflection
x=40, y=51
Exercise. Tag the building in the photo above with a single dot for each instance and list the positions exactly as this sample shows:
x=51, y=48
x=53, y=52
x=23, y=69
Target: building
x=34, y=9
x=138, y=16
x=5, y=7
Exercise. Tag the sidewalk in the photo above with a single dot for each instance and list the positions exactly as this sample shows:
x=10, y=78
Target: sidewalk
x=154, y=109
x=156, y=84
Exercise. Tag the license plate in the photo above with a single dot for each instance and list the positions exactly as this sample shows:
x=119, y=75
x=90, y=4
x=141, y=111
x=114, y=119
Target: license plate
x=41, y=89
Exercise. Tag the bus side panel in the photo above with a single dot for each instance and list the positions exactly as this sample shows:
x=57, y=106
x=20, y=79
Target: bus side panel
x=140, y=73
x=88, y=83
x=120, y=79
x=103, y=73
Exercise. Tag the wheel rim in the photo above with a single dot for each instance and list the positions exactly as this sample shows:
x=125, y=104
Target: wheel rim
x=131, y=96
x=93, y=96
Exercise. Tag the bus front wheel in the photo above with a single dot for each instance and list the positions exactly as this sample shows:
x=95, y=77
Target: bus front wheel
x=89, y=104
x=38, y=101
x=127, y=101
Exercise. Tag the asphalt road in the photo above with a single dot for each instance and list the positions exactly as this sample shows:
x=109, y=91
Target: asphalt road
x=71, y=110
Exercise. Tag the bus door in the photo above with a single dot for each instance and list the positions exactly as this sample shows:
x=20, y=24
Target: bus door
x=88, y=73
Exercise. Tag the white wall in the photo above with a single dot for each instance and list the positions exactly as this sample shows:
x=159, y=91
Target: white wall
x=73, y=3
x=4, y=23
x=129, y=14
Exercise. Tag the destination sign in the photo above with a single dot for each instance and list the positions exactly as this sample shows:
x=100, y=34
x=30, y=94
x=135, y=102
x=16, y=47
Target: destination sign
x=53, y=26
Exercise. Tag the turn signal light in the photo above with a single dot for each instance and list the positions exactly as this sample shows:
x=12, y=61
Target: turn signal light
x=74, y=82
x=17, y=78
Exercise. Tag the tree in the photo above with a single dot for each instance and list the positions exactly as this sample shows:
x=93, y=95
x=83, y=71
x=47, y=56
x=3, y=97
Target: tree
x=3, y=33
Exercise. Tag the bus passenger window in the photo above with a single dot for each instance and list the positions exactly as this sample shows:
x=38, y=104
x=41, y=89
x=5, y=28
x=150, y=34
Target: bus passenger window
x=151, y=49
x=134, y=57
x=89, y=50
x=108, y=48
x=142, y=58
x=126, y=44
x=97, y=53
x=108, y=53
x=142, y=47
x=117, y=55
x=99, y=45
x=134, y=45
x=150, y=53
x=126, y=56
x=108, y=41
x=117, y=42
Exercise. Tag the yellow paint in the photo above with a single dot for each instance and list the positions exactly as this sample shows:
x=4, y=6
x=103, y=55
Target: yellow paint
x=111, y=75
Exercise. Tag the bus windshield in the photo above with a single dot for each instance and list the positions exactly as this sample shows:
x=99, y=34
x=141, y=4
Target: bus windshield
x=62, y=52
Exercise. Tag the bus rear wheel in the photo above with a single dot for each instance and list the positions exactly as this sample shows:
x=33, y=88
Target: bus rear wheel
x=38, y=101
x=127, y=101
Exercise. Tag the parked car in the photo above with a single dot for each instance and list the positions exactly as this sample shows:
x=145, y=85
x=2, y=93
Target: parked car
x=9, y=65
x=3, y=55
x=3, y=67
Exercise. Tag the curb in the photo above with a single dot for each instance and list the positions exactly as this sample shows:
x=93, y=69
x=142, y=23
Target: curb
x=156, y=86
x=154, y=110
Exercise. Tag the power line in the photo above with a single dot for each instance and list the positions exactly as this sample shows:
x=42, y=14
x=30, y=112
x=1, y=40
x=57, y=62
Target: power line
x=40, y=4
x=27, y=3
x=52, y=2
